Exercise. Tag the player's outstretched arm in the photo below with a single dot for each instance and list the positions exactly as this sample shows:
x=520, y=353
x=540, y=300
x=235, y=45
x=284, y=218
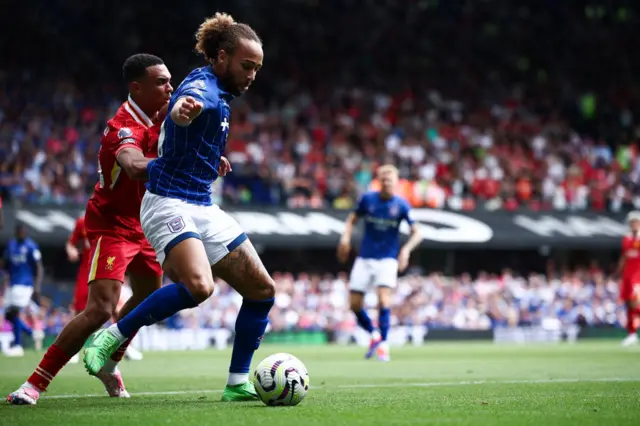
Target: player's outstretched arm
x=134, y=163
x=344, y=246
x=185, y=110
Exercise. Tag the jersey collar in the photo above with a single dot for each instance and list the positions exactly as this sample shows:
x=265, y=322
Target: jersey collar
x=137, y=113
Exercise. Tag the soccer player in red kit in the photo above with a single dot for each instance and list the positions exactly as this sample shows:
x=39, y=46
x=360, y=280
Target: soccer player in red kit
x=117, y=243
x=630, y=268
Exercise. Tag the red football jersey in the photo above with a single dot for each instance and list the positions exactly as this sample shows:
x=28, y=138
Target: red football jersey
x=115, y=204
x=631, y=253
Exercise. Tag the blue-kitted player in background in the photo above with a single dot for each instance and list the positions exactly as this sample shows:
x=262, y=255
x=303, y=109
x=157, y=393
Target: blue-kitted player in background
x=23, y=262
x=381, y=257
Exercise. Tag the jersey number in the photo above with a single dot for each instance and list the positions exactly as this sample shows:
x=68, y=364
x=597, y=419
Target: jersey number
x=161, y=139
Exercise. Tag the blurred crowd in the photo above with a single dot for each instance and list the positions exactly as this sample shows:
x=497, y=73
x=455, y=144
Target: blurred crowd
x=490, y=104
x=585, y=296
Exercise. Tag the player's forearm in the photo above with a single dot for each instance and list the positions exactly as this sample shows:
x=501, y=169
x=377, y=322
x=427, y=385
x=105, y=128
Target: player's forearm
x=70, y=249
x=134, y=163
x=138, y=168
x=348, y=228
x=414, y=240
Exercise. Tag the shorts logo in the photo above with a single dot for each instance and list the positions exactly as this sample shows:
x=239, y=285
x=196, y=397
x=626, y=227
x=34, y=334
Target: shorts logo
x=176, y=224
x=125, y=132
x=109, y=265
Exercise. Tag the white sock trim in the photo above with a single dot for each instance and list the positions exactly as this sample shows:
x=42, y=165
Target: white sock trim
x=115, y=331
x=237, y=378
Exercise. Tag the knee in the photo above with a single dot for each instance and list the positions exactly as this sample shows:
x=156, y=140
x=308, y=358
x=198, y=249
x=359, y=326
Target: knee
x=100, y=308
x=383, y=305
x=98, y=313
x=200, y=286
x=356, y=305
x=267, y=289
x=262, y=290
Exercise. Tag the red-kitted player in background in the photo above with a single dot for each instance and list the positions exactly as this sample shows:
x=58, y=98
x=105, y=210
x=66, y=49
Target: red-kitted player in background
x=630, y=284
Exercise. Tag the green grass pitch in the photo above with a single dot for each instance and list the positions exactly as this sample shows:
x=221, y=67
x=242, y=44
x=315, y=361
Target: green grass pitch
x=453, y=384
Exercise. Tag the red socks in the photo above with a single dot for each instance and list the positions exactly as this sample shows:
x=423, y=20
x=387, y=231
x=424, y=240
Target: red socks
x=51, y=364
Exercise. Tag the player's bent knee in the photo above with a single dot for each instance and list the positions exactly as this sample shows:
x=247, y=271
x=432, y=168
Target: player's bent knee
x=98, y=314
x=102, y=301
x=199, y=285
x=266, y=290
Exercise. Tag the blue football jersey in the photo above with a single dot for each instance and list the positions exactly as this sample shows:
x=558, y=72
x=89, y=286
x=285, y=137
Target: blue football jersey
x=21, y=258
x=382, y=219
x=188, y=157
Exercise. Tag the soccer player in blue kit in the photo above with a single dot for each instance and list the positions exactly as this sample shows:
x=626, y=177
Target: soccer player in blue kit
x=195, y=240
x=23, y=261
x=381, y=256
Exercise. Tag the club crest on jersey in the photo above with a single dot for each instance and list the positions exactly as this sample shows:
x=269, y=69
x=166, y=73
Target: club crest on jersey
x=394, y=210
x=225, y=124
x=125, y=132
x=176, y=224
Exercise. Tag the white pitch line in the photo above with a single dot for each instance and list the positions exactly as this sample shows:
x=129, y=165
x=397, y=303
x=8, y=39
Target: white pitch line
x=487, y=382
x=93, y=395
x=382, y=385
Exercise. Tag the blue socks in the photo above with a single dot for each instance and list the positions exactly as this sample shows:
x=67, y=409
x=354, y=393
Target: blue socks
x=364, y=321
x=384, y=319
x=160, y=305
x=19, y=327
x=250, y=327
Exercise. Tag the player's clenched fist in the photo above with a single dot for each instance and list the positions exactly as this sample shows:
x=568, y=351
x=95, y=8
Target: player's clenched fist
x=189, y=109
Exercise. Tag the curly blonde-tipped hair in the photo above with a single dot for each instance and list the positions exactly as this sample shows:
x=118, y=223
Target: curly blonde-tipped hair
x=221, y=32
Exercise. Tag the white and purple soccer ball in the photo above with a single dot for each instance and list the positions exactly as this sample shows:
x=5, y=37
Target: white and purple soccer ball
x=281, y=380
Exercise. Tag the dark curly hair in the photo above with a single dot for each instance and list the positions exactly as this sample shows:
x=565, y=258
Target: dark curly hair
x=221, y=32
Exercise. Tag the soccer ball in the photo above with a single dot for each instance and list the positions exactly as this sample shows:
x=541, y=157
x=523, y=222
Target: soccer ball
x=281, y=380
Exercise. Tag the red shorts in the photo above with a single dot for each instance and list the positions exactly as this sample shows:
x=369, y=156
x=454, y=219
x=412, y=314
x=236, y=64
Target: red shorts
x=630, y=288
x=113, y=255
